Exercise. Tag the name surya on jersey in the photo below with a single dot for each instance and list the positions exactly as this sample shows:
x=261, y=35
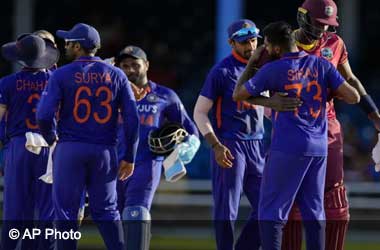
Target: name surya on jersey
x=92, y=77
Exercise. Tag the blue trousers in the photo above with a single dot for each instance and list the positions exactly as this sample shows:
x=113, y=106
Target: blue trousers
x=139, y=189
x=27, y=200
x=228, y=184
x=289, y=178
x=92, y=167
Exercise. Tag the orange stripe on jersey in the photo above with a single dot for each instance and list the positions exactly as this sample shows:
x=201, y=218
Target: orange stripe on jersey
x=275, y=115
x=219, y=112
x=148, y=89
x=238, y=57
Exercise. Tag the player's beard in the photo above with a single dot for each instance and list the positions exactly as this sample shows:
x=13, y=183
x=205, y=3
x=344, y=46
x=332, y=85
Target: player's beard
x=248, y=54
x=136, y=79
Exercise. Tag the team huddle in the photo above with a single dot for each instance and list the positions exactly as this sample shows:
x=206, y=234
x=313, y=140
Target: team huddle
x=102, y=129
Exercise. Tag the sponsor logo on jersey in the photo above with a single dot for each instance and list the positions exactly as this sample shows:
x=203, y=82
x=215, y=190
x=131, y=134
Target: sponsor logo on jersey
x=327, y=53
x=152, y=98
x=147, y=108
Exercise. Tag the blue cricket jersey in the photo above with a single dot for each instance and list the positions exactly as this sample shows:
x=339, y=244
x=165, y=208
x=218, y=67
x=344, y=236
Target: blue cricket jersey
x=21, y=92
x=160, y=105
x=89, y=93
x=303, y=132
x=231, y=120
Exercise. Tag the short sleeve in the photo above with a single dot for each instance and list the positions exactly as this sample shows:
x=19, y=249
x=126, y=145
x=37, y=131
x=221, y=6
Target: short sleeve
x=259, y=83
x=213, y=85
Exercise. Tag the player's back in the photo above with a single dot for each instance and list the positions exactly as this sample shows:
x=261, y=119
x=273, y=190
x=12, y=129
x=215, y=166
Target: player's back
x=91, y=96
x=20, y=92
x=303, y=131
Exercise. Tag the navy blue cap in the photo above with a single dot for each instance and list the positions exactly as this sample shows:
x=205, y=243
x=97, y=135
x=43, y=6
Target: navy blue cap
x=31, y=51
x=131, y=51
x=243, y=30
x=83, y=33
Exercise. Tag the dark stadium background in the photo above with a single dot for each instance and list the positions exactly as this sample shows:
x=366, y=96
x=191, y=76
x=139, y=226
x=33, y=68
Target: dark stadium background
x=180, y=39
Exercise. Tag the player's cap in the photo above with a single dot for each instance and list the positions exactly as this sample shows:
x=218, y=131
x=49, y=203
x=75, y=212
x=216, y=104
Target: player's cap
x=323, y=11
x=83, y=33
x=31, y=51
x=131, y=51
x=243, y=30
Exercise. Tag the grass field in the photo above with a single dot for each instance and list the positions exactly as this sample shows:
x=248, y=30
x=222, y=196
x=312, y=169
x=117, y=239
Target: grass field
x=94, y=242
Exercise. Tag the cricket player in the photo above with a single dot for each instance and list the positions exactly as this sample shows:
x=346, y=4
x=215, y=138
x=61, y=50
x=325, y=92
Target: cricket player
x=88, y=93
x=235, y=134
x=156, y=106
x=296, y=171
x=24, y=192
x=314, y=19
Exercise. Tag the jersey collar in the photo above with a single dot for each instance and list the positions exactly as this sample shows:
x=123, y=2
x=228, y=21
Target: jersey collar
x=294, y=55
x=238, y=57
x=89, y=59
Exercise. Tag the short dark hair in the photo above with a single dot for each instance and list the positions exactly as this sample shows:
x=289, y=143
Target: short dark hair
x=90, y=51
x=280, y=34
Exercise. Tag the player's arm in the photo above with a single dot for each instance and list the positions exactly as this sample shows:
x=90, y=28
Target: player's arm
x=131, y=129
x=278, y=101
x=202, y=107
x=47, y=108
x=3, y=110
x=366, y=103
x=176, y=112
x=340, y=87
x=240, y=92
x=347, y=93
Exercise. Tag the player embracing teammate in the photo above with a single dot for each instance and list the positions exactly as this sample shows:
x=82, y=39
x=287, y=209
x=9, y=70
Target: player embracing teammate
x=296, y=172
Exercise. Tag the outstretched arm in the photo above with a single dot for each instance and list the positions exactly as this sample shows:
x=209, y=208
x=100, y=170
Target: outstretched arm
x=366, y=103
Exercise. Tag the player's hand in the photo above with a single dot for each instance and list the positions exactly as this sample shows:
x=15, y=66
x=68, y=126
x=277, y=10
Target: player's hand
x=281, y=102
x=125, y=170
x=223, y=156
x=375, y=118
x=137, y=92
x=255, y=57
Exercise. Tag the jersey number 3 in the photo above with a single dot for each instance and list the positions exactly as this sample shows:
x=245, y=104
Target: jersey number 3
x=317, y=96
x=87, y=104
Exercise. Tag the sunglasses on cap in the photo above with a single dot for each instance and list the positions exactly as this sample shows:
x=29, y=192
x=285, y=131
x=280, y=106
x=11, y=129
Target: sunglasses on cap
x=246, y=31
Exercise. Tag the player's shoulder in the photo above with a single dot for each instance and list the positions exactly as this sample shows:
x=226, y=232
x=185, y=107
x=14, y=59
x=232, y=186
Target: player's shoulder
x=161, y=89
x=9, y=79
x=62, y=70
x=221, y=68
x=332, y=37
